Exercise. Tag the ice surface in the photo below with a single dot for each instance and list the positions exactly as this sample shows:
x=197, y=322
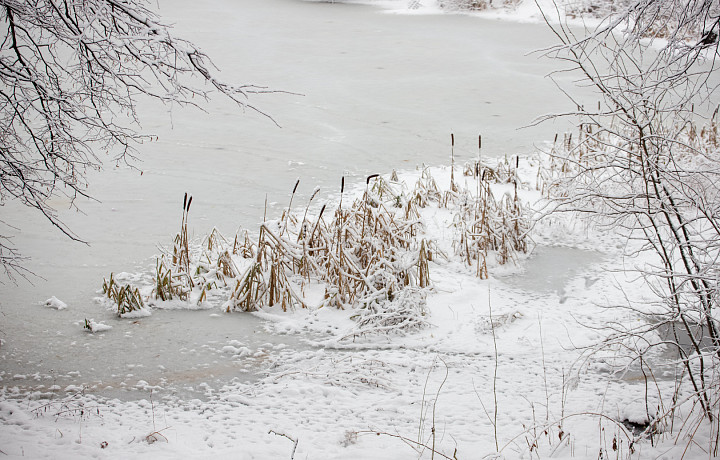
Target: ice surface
x=379, y=92
x=376, y=92
x=550, y=268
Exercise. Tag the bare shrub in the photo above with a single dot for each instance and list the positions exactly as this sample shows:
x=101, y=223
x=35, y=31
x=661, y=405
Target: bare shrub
x=643, y=166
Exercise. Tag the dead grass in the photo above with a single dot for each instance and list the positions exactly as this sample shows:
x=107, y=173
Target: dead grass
x=488, y=225
x=371, y=255
x=126, y=297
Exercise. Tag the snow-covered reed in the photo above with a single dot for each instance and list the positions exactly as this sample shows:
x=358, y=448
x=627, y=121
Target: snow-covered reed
x=373, y=256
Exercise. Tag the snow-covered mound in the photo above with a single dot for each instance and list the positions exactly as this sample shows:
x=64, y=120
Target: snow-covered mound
x=54, y=302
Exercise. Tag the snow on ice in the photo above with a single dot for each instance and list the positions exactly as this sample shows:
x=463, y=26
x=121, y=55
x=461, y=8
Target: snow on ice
x=501, y=367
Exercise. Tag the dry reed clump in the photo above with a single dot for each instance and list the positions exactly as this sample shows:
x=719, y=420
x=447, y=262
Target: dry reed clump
x=485, y=224
x=173, y=280
x=476, y=5
x=363, y=255
x=426, y=191
x=653, y=20
x=169, y=286
x=593, y=8
x=370, y=255
x=126, y=297
x=570, y=156
x=189, y=272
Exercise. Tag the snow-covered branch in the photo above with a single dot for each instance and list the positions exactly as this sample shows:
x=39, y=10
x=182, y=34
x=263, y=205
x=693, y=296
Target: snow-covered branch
x=70, y=74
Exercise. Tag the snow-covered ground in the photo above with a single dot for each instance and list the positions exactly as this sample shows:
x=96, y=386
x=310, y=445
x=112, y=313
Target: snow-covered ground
x=498, y=369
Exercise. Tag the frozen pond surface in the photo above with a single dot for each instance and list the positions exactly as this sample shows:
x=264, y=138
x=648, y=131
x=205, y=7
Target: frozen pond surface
x=379, y=92
x=173, y=352
x=549, y=269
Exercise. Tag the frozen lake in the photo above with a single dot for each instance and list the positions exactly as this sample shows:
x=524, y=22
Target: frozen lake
x=374, y=91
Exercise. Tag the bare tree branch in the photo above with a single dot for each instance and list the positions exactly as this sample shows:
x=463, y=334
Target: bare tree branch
x=70, y=73
x=646, y=161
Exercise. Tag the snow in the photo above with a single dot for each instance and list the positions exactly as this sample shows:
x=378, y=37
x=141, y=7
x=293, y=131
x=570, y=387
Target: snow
x=195, y=382
x=510, y=342
x=523, y=11
x=141, y=313
x=96, y=326
x=54, y=302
